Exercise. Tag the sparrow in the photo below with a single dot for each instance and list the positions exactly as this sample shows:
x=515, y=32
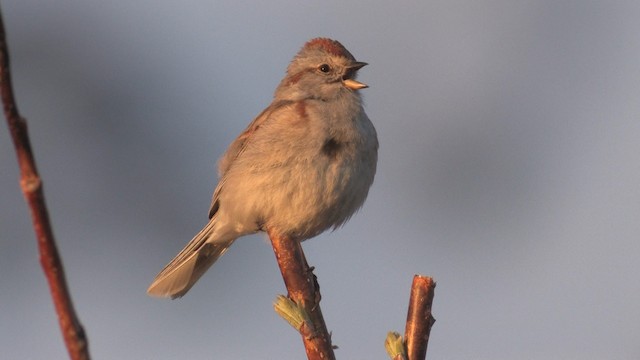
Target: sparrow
x=303, y=165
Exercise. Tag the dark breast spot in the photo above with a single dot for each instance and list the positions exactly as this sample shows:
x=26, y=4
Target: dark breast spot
x=331, y=148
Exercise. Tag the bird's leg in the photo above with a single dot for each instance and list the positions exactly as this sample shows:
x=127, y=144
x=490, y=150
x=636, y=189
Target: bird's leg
x=310, y=275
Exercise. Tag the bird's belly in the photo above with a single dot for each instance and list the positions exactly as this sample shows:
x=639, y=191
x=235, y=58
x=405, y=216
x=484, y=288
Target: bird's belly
x=308, y=198
x=301, y=197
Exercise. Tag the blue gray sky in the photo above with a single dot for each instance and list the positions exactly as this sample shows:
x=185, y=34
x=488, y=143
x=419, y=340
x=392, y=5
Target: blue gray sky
x=509, y=171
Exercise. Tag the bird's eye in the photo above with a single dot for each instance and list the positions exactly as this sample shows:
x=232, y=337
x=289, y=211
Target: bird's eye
x=324, y=68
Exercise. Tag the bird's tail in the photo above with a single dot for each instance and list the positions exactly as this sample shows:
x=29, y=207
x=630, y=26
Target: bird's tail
x=188, y=266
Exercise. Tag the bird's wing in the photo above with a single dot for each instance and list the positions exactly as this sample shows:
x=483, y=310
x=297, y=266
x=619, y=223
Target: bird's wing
x=237, y=148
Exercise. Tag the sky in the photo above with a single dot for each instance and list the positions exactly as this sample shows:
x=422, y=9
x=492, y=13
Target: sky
x=509, y=171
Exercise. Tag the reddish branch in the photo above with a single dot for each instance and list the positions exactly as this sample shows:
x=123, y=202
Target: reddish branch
x=303, y=289
x=419, y=319
x=31, y=185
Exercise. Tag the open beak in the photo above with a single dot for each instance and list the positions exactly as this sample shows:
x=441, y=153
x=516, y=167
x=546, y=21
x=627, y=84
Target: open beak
x=351, y=83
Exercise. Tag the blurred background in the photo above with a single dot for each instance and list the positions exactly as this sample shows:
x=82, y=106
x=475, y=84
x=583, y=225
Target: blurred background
x=509, y=171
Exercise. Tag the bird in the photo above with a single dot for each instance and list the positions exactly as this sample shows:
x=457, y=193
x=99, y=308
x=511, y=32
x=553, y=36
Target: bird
x=304, y=165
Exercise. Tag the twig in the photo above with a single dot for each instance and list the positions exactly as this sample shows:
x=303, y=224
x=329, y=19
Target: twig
x=31, y=185
x=419, y=319
x=303, y=290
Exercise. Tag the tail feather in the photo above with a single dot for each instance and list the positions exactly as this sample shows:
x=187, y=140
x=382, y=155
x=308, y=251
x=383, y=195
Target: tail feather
x=189, y=265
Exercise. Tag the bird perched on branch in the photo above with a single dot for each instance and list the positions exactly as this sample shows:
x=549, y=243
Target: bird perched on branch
x=304, y=165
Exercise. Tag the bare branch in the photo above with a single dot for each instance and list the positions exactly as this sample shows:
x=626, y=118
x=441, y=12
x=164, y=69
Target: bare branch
x=419, y=319
x=31, y=185
x=304, y=291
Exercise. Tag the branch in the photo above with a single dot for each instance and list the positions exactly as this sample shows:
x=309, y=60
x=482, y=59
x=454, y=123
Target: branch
x=304, y=291
x=31, y=185
x=419, y=319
